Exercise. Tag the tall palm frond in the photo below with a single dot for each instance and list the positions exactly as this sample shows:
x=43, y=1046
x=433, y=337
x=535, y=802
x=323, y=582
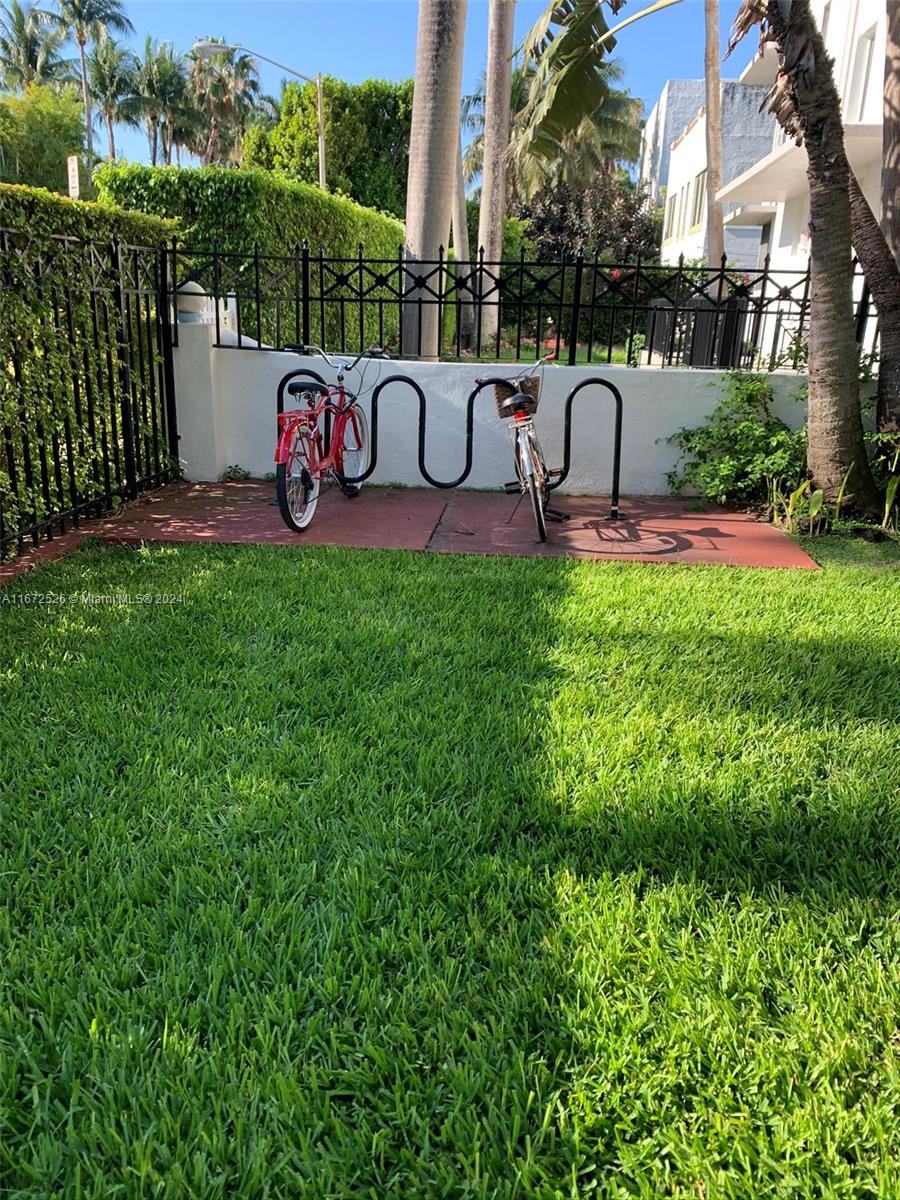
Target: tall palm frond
x=570, y=78
x=161, y=96
x=88, y=21
x=111, y=79
x=30, y=44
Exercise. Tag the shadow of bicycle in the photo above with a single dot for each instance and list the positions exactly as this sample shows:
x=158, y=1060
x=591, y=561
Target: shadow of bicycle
x=632, y=537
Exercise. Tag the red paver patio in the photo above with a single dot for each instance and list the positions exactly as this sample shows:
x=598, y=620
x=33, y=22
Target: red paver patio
x=459, y=522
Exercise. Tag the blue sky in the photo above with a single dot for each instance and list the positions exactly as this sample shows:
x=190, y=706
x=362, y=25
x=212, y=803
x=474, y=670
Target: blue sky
x=358, y=39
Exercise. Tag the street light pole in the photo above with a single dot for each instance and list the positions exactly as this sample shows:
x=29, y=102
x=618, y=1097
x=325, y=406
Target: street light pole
x=320, y=105
x=207, y=49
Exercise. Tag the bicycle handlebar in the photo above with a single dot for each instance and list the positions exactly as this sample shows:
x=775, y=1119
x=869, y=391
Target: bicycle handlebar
x=337, y=365
x=528, y=371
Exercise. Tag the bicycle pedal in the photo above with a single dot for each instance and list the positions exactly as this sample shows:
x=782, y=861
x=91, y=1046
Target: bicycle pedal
x=553, y=514
x=513, y=488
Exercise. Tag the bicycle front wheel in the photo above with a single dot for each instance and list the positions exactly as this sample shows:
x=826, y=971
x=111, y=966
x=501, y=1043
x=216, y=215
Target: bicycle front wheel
x=535, y=487
x=297, y=482
x=354, y=452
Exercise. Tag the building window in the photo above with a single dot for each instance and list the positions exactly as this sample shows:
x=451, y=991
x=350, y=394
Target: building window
x=862, y=75
x=699, y=199
x=670, y=213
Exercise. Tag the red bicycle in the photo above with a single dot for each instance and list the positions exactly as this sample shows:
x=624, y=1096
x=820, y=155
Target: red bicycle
x=303, y=461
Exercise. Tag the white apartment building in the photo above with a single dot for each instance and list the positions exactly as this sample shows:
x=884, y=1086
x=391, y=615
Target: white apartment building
x=765, y=192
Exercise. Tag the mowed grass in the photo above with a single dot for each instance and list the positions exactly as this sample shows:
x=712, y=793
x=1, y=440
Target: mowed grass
x=363, y=874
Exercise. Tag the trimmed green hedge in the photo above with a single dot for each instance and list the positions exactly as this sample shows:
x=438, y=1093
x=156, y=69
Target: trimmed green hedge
x=240, y=209
x=74, y=363
x=45, y=213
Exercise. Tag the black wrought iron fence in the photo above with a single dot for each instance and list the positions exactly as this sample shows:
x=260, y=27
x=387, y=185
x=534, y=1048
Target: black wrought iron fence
x=581, y=309
x=87, y=398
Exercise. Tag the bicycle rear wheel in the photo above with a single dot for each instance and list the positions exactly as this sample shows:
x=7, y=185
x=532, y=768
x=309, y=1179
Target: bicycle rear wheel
x=297, y=482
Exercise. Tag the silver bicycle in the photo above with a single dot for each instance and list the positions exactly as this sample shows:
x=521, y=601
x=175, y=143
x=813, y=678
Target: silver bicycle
x=518, y=399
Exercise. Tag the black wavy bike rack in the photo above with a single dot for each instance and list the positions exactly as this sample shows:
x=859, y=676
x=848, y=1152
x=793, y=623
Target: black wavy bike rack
x=319, y=383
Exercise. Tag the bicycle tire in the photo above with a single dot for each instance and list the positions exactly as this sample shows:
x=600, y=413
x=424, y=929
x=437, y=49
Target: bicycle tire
x=535, y=491
x=353, y=489
x=296, y=486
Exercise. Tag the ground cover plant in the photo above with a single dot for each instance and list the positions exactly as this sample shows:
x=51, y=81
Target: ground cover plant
x=377, y=874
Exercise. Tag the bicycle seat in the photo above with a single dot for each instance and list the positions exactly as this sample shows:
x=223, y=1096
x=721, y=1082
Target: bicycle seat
x=518, y=402
x=299, y=386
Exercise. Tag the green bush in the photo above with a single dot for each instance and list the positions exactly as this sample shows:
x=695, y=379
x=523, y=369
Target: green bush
x=740, y=448
x=66, y=346
x=366, y=132
x=240, y=209
x=38, y=132
x=41, y=214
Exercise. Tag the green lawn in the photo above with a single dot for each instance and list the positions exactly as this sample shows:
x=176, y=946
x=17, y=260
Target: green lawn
x=363, y=874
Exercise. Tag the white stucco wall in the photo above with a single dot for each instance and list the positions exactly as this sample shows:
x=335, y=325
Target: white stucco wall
x=226, y=415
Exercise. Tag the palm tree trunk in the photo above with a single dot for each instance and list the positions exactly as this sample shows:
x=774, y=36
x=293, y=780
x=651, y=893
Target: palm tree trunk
x=883, y=278
x=209, y=152
x=715, y=229
x=88, y=115
x=461, y=251
x=432, y=162
x=836, y=445
x=501, y=18
x=111, y=137
x=890, y=137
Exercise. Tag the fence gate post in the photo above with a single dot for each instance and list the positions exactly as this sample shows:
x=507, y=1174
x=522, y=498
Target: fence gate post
x=576, y=308
x=304, y=284
x=164, y=330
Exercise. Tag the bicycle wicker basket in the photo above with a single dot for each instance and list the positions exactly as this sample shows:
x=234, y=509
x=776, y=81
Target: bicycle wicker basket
x=529, y=385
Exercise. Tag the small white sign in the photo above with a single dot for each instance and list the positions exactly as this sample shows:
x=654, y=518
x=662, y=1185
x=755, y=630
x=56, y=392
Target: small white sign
x=74, y=185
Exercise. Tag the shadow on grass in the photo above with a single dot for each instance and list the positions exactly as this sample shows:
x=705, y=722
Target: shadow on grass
x=371, y=874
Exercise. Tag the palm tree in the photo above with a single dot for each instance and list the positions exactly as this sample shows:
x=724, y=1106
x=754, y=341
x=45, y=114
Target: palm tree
x=243, y=100
x=87, y=21
x=111, y=80
x=606, y=138
x=188, y=127
x=805, y=100
x=434, y=137
x=492, y=207
x=147, y=101
x=883, y=278
x=715, y=227
x=603, y=140
x=460, y=226
x=890, y=158
x=226, y=87
x=172, y=95
x=29, y=47
x=472, y=120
